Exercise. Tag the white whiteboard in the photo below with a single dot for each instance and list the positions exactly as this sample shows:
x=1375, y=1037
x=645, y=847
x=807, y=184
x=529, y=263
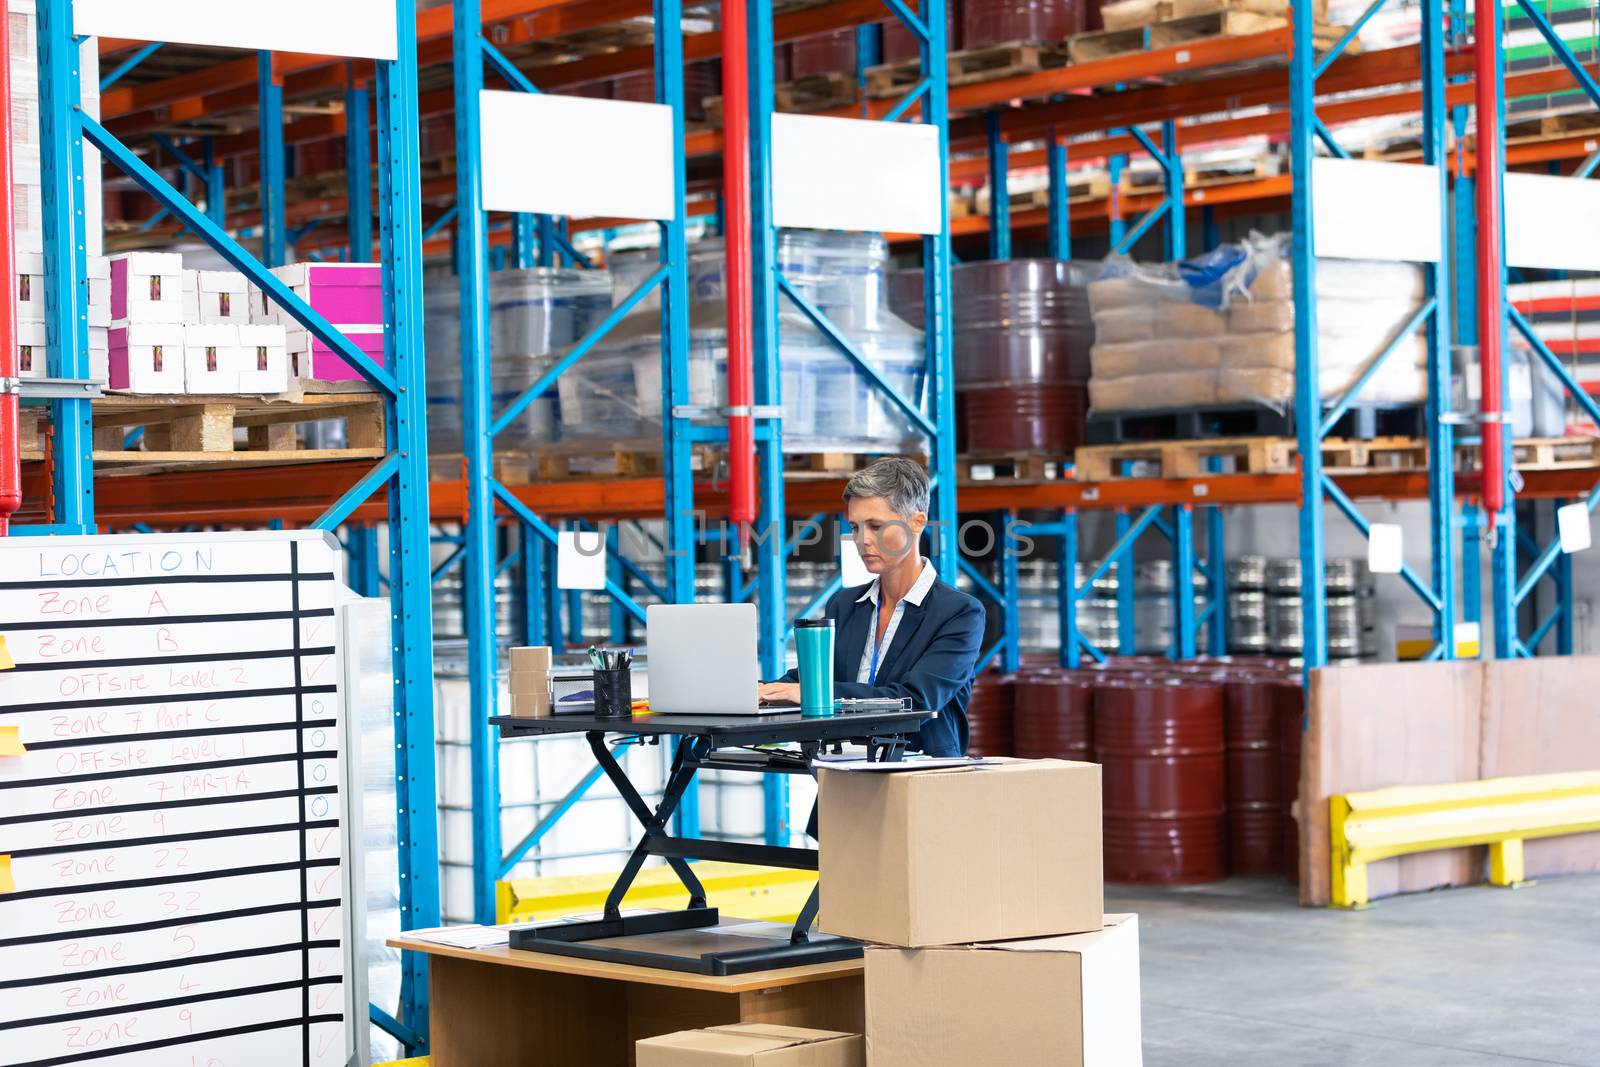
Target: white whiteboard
x=175, y=827
x=360, y=28
x=1552, y=222
x=573, y=155
x=1367, y=209
x=856, y=174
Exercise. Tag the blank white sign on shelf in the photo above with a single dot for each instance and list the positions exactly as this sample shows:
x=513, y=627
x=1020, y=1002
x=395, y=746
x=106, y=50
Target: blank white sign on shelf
x=1362, y=209
x=1552, y=222
x=856, y=174
x=572, y=155
x=363, y=29
x=581, y=559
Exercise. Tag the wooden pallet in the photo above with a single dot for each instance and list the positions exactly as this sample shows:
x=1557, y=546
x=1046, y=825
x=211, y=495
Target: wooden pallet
x=816, y=92
x=969, y=66
x=198, y=432
x=1539, y=454
x=1131, y=14
x=1247, y=455
x=1079, y=189
x=1169, y=33
x=1019, y=467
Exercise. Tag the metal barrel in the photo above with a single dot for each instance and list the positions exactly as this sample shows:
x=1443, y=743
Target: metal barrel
x=1054, y=715
x=1025, y=417
x=1255, y=773
x=987, y=22
x=1161, y=746
x=989, y=715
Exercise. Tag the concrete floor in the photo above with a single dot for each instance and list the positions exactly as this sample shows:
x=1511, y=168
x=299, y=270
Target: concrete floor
x=1237, y=974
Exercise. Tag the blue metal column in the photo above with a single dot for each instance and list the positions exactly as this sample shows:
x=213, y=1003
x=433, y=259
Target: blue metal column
x=524, y=245
x=478, y=447
x=410, y=588
x=1119, y=226
x=1172, y=166
x=532, y=569
x=999, y=190
x=1472, y=566
x=1127, y=615
x=66, y=294
x=1441, y=434
x=1011, y=653
x=1307, y=393
x=1561, y=574
x=216, y=189
x=274, y=228
x=358, y=169
x=1183, y=581
x=362, y=542
x=1217, y=575
x=770, y=540
x=1071, y=652
x=1060, y=199
x=938, y=337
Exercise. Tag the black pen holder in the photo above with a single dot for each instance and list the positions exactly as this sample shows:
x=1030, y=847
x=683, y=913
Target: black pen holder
x=613, y=693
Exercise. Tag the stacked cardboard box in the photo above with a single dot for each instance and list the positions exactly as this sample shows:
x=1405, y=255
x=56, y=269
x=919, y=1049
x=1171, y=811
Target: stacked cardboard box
x=32, y=353
x=530, y=681
x=752, y=1045
x=349, y=296
x=1220, y=330
x=980, y=893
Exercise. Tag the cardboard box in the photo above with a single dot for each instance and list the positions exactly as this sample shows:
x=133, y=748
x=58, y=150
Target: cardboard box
x=147, y=287
x=946, y=856
x=32, y=356
x=30, y=289
x=263, y=359
x=309, y=358
x=531, y=705
x=754, y=1045
x=211, y=359
x=99, y=291
x=147, y=358
x=100, y=354
x=1071, y=1000
x=224, y=297
x=191, y=298
x=346, y=294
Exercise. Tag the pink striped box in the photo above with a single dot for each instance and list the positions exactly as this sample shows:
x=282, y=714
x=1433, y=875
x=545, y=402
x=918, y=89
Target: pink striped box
x=309, y=358
x=346, y=294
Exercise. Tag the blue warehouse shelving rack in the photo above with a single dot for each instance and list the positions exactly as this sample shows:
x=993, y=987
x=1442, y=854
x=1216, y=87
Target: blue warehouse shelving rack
x=400, y=477
x=1114, y=108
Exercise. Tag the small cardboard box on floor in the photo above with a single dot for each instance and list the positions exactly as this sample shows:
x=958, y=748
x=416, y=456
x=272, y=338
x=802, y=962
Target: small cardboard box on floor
x=752, y=1045
x=1006, y=849
x=1071, y=1000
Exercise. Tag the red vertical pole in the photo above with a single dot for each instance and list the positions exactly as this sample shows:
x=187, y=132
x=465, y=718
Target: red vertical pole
x=10, y=437
x=736, y=235
x=1486, y=90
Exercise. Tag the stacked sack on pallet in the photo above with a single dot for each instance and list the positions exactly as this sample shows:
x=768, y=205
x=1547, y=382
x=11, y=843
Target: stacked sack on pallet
x=1219, y=329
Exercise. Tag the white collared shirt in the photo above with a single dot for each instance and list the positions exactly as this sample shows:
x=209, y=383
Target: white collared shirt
x=919, y=590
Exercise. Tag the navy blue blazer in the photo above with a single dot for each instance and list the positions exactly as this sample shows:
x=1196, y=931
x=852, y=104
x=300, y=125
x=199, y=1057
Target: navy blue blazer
x=932, y=660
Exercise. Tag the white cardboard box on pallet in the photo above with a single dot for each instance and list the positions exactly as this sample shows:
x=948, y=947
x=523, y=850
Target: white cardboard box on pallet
x=263, y=359
x=147, y=357
x=30, y=288
x=147, y=288
x=224, y=298
x=100, y=354
x=211, y=359
x=31, y=356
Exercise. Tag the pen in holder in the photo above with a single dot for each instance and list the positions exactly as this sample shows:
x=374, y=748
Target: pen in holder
x=613, y=693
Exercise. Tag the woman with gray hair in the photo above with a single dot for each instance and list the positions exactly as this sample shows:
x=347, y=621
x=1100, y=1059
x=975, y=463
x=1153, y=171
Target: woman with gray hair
x=909, y=634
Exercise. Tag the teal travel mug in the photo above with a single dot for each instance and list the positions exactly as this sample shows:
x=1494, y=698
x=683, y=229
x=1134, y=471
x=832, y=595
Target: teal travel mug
x=813, y=639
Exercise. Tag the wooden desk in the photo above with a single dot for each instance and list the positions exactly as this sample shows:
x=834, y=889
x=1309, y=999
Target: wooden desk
x=497, y=1006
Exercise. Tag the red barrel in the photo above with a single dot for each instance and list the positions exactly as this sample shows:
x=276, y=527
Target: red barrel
x=1160, y=743
x=1053, y=716
x=1023, y=418
x=989, y=715
x=900, y=45
x=986, y=22
x=1290, y=709
x=700, y=80
x=1255, y=773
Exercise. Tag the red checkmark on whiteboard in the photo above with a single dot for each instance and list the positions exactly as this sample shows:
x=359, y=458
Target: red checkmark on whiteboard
x=324, y=998
x=322, y=845
x=324, y=921
x=320, y=662
x=324, y=1043
x=315, y=628
x=322, y=886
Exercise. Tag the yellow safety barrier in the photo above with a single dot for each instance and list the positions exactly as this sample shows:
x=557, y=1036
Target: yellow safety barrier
x=1499, y=812
x=421, y=1061
x=769, y=893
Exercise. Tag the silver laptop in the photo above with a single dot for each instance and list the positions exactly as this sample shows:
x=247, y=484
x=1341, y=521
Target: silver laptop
x=703, y=659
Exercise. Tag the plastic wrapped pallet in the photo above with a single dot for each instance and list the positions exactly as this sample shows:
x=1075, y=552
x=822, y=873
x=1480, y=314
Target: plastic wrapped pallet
x=1226, y=320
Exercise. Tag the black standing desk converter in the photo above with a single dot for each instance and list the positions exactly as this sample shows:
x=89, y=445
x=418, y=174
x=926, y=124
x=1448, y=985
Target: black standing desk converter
x=701, y=736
